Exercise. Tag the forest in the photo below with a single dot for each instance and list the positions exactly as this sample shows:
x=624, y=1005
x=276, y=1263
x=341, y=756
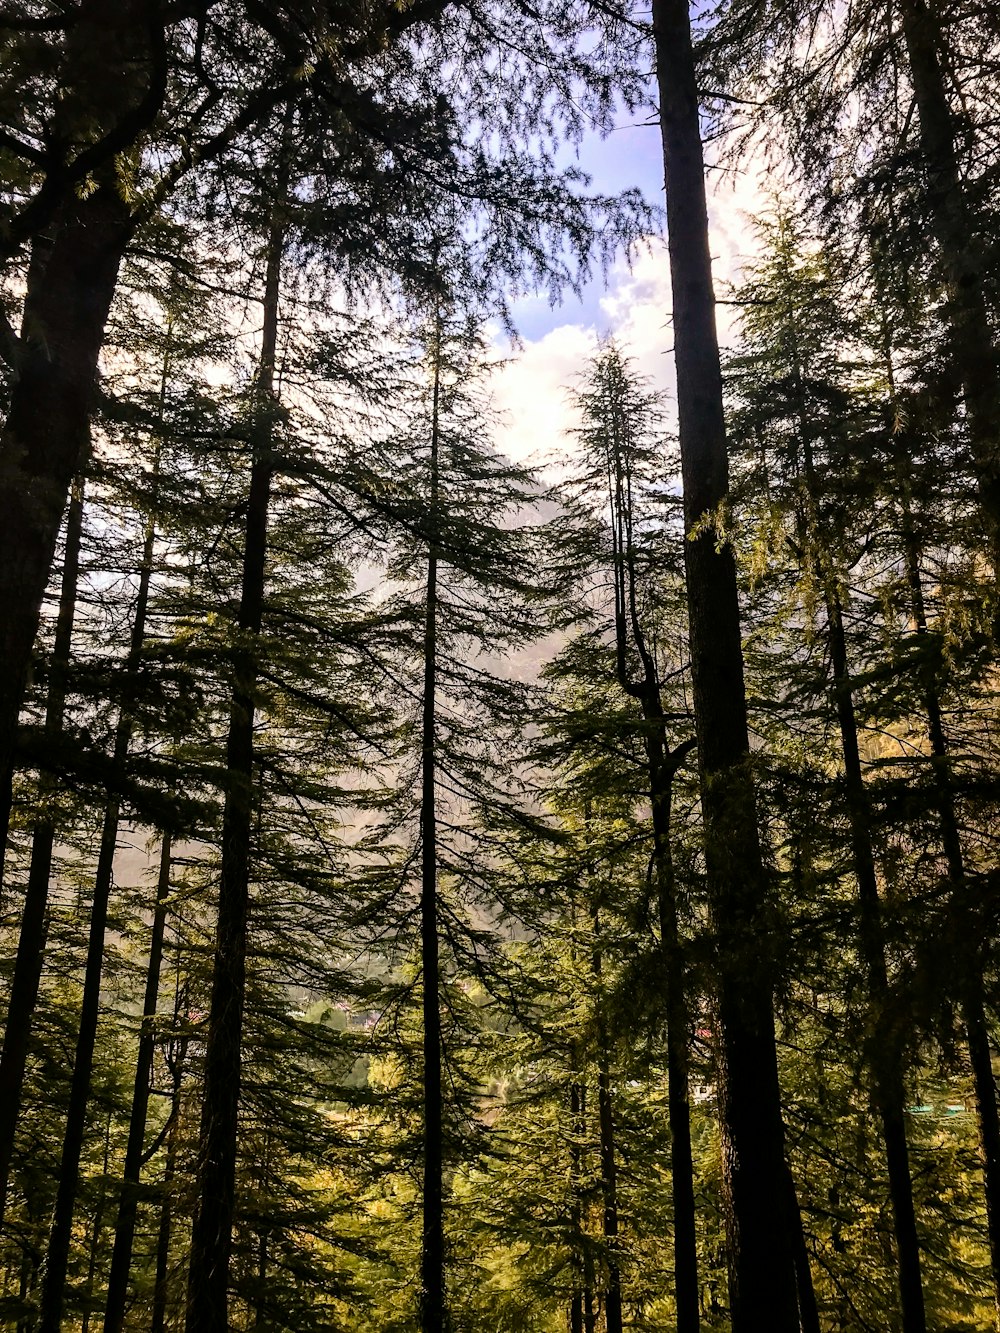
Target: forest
x=444, y=890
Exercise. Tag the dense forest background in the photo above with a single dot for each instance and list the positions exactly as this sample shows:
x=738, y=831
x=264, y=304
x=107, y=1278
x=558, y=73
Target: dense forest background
x=441, y=894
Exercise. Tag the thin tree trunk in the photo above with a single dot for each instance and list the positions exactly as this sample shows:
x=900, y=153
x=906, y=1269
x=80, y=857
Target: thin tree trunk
x=260, y=1317
x=576, y=1313
x=29, y=1277
x=662, y=764
x=970, y=968
x=161, y=1284
x=606, y=1132
x=6, y=809
x=885, y=1048
x=808, y=1309
x=589, y=1309
x=121, y=1256
x=125, y=1225
x=760, y=1249
x=885, y=1053
x=588, y=1312
x=971, y=335
x=433, y=1306
x=61, y=1232
x=609, y=1185
x=98, y=1226
x=575, y=1103
x=678, y=1054
x=211, y=1237
x=31, y=942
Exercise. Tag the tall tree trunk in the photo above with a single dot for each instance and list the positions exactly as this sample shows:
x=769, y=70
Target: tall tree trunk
x=125, y=1224
x=31, y=942
x=576, y=1313
x=585, y=1303
x=121, y=1255
x=973, y=343
x=433, y=1306
x=760, y=1248
x=808, y=1309
x=211, y=1237
x=46, y=435
x=885, y=1053
x=61, y=1232
x=662, y=764
x=114, y=79
x=6, y=809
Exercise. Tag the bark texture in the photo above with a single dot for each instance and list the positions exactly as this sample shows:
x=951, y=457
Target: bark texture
x=760, y=1244
x=113, y=82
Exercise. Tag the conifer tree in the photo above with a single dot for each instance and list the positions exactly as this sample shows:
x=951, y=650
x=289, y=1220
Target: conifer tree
x=762, y=1279
x=208, y=1279
x=622, y=467
x=801, y=375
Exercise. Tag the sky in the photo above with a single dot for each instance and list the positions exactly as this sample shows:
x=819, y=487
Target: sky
x=631, y=303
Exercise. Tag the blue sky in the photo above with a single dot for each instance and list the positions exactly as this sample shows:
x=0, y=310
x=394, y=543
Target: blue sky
x=631, y=303
x=627, y=158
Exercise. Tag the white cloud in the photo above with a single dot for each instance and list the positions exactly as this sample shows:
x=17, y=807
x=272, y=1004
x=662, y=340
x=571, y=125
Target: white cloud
x=532, y=393
x=531, y=388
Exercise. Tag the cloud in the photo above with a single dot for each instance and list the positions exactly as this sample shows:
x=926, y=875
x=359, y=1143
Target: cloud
x=532, y=391
x=634, y=307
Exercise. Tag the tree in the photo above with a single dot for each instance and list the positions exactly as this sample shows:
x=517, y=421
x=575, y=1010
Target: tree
x=200, y=105
x=622, y=466
x=762, y=1280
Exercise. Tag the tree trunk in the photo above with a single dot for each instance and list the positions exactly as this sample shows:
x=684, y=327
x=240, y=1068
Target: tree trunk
x=609, y=1186
x=970, y=968
x=433, y=1308
x=808, y=1310
x=6, y=809
x=46, y=435
x=31, y=942
x=609, y=1164
x=678, y=1056
x=760, y=1249
x=962, y=259
x=163, y=1235
x=95, y=1237
x=662, y=764
x=61, y=1232
x=576, y=1313
x=211, y=1238
x=121, y=1256
x=885, y=1055
x=576, y=1118
x=114, y=82
x=125, y=1224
